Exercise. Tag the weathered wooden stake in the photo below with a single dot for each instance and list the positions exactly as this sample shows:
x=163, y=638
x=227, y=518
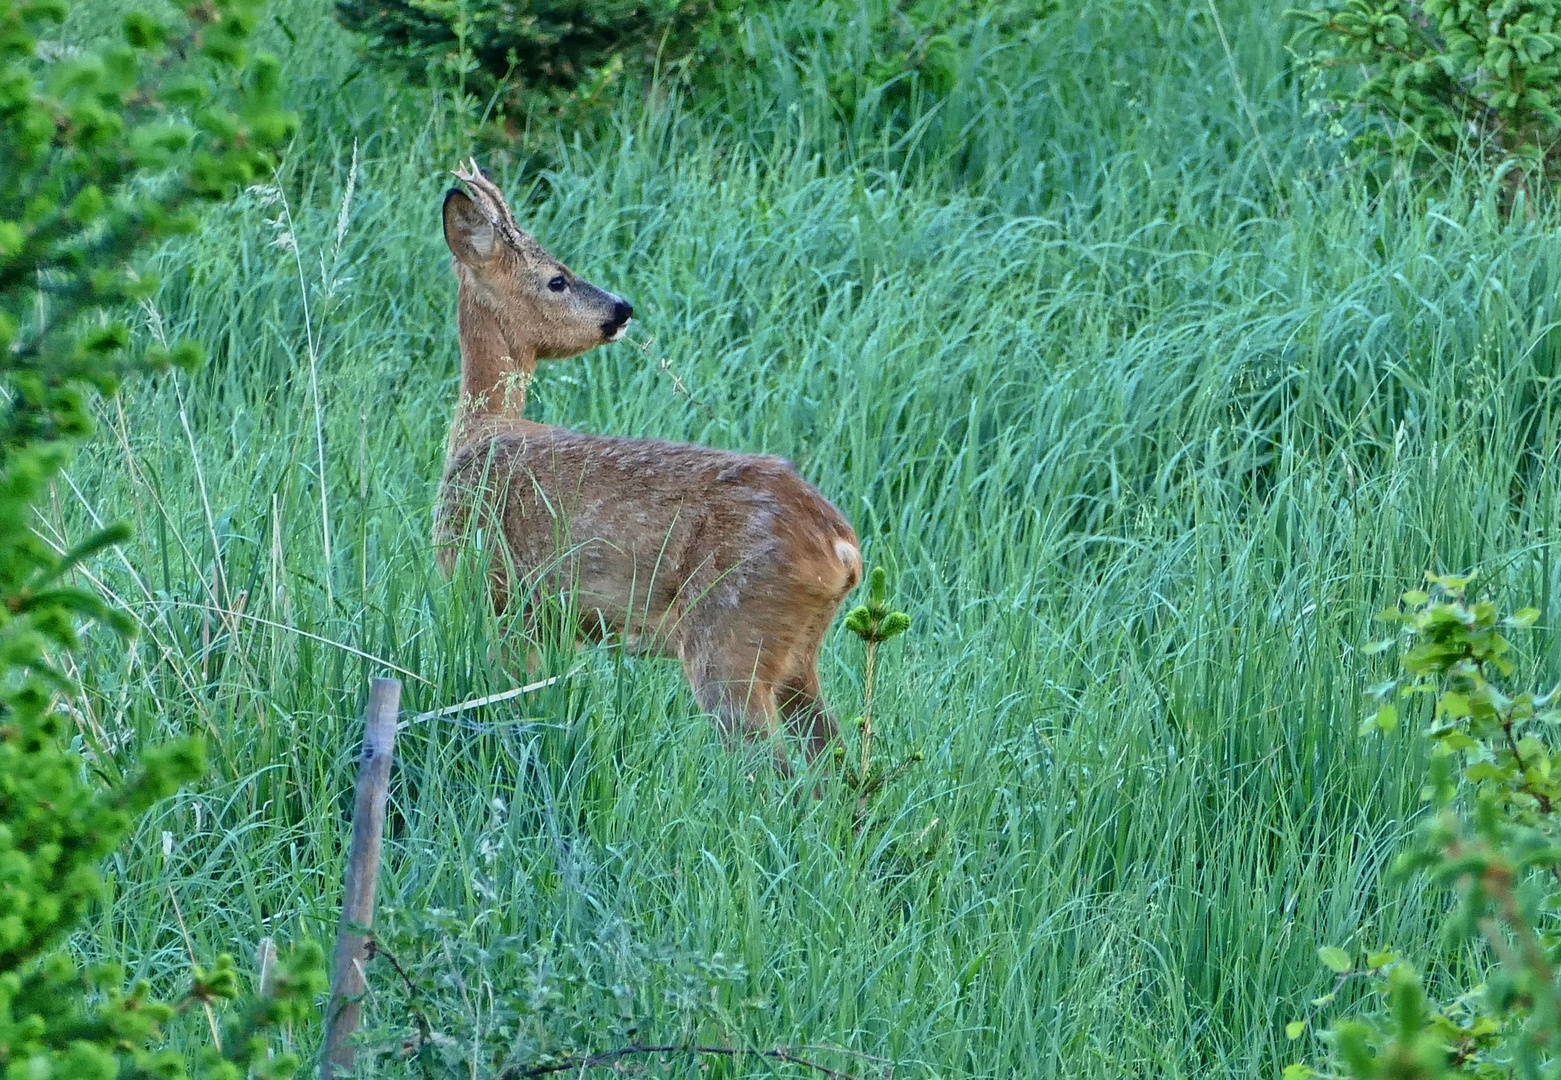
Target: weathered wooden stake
x=357, y=904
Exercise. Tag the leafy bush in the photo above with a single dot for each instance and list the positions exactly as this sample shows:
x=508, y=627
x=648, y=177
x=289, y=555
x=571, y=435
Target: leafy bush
x=878, y=61
x=105, y=151
x=1495, y=840
x=1442, y=77
x=526, y=55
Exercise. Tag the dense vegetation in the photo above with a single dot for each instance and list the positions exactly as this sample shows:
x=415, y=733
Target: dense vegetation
x=107, y=149
x=1146, y=393
x=1448, y=81
x=515, y=57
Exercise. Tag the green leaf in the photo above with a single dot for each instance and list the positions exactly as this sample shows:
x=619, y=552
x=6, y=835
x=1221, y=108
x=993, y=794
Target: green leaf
x=1482, y=771
x=1522, y=618
x=1387, y=716
x=1335, y=959
x=1453, y=739
x=1294, y=1028
x=1453, y=705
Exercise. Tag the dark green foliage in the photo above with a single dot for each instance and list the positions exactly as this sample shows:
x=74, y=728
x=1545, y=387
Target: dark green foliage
x=104, y=154
x=1494, y=840
x=1443, y=78
x=525, y=53
x=884, y=57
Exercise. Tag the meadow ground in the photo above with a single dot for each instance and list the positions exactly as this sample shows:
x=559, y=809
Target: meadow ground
x=1145, y=418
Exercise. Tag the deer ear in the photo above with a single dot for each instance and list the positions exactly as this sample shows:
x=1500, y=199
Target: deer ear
x=467, y=229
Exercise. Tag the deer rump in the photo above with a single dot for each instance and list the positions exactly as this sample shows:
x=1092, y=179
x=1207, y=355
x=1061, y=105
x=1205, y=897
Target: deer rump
x=730, y=563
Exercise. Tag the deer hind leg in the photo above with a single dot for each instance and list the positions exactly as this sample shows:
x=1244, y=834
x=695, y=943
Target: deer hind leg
x=743, y=709
x=743, y=704
x=801, y=700
x=804, y=713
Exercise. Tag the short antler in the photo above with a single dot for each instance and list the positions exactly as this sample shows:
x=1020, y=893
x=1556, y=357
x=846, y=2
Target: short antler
x=491, y=201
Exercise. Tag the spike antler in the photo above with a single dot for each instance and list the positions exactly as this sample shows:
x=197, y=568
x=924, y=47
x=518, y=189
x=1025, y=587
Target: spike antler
x=491, y=201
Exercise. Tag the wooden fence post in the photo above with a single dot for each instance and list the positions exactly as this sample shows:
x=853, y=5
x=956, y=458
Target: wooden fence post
x=357, y=904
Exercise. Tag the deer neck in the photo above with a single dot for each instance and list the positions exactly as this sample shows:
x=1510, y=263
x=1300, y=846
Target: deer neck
x=496, y=371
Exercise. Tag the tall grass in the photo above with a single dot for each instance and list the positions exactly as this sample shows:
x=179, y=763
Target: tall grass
x=1143, y=443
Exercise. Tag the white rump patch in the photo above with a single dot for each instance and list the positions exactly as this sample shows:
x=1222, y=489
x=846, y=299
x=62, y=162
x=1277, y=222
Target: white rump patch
x=849, y=556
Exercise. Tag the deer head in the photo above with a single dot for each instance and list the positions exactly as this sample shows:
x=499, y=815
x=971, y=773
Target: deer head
x=539, y=307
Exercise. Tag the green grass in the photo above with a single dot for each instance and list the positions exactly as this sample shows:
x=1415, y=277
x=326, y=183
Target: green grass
x=1143, y=447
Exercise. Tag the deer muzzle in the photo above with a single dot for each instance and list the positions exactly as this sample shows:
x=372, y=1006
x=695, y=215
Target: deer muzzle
x=613, y=328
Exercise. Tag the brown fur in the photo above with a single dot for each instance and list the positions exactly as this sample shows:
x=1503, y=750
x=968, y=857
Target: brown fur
x=730, y=563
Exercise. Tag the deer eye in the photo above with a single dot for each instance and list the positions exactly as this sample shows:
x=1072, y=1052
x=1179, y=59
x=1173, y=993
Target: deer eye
x=558, y=284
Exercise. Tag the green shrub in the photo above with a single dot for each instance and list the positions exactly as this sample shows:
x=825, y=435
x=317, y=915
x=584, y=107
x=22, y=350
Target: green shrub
x=1494, y=840
x=523, y=56
x=1443, y=78
x=104, y=153
x=879, y=61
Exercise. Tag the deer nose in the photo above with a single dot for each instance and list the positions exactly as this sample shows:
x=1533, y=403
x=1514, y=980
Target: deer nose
x=613, y=328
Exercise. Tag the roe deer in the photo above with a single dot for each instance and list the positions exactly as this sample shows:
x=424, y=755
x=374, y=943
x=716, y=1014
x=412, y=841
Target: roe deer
x=731, y=563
